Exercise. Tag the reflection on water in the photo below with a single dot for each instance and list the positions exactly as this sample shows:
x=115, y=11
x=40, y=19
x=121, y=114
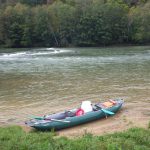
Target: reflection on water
x=37, y=81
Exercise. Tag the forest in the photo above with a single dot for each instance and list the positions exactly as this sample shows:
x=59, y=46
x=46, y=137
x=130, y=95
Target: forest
x=64, y=23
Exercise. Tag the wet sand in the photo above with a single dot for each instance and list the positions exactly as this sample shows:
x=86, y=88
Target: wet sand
x=135, y=114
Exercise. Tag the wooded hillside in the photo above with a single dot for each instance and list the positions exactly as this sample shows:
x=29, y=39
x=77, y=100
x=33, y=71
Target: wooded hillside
x=29, y=23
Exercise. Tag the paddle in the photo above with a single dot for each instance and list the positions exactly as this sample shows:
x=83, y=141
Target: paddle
x=59, y=120
x=107, y=111
x=37, y=117
x=42, y=118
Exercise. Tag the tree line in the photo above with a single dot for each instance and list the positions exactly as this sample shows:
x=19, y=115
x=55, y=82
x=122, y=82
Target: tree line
x=38, y=23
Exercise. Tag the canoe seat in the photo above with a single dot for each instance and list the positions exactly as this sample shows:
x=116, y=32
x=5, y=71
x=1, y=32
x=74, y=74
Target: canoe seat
x=107, y=104
x=110, y=103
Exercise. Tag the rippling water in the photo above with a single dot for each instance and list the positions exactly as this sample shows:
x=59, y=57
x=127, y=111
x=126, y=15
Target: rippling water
x=42, y=80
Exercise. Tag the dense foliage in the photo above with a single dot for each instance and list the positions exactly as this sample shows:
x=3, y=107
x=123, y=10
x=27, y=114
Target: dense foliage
x=12, y=138
x=28, y=23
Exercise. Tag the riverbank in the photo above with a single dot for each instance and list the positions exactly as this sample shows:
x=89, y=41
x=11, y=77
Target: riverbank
x=132, y=115
x=15, y=138
x=116, y=45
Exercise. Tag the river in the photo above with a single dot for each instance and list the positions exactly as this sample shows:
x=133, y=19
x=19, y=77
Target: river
x=43, y=80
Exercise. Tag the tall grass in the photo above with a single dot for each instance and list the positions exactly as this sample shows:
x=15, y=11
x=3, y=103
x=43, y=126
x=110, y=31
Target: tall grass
x=14, y=138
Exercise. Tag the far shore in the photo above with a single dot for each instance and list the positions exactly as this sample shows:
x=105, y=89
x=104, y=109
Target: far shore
x=85, y=46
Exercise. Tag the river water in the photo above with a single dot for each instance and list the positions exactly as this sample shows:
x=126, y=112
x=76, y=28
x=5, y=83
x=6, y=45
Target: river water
x=42, y=80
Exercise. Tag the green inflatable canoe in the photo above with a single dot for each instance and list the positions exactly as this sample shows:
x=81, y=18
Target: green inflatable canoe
x=75, y=117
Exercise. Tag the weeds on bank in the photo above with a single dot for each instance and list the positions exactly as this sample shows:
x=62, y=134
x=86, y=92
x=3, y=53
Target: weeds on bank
x=12, y=138
x=149, y=125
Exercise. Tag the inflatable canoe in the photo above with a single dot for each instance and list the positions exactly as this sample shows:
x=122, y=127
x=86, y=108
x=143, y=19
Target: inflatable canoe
x=75, y=117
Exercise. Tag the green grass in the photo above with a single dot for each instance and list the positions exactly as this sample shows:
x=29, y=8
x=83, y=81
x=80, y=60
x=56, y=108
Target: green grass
x=14, y=138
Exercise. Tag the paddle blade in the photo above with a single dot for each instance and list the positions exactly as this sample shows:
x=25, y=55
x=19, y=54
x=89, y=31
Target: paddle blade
x=108, y=112
x=60, y=120
x=36, y=117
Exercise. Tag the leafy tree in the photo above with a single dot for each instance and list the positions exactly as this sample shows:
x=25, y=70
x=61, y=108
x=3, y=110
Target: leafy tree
x=15, y=26
x=42, y=27
x=141, y=24
x=1, y=28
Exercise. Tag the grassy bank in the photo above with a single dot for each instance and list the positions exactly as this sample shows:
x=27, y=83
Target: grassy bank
x=15, y=138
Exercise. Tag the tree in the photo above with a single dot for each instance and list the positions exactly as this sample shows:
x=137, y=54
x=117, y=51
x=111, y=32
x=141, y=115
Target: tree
x=141, y=24
x=42, y=27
